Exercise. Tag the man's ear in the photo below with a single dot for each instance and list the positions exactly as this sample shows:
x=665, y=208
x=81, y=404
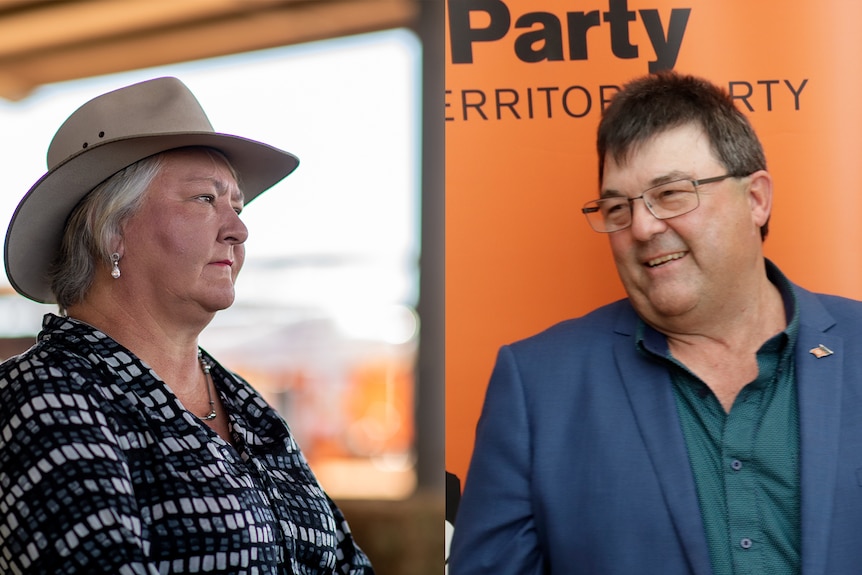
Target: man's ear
x=760, y=196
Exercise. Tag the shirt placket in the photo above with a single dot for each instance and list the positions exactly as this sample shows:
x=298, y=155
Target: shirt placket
x=743, y=510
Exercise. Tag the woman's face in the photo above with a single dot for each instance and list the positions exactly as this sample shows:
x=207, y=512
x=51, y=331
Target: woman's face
x=183, y=249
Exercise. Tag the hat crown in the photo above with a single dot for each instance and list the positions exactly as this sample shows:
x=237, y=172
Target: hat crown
x=159, y=106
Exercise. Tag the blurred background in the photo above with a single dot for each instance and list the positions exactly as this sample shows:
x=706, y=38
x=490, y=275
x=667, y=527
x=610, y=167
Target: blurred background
x=339, y=313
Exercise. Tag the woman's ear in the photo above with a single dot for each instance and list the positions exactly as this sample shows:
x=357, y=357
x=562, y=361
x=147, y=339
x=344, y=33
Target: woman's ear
x=118, y=244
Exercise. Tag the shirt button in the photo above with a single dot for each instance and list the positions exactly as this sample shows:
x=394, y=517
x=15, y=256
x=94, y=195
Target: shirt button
x=745, y=543
x=736, y=465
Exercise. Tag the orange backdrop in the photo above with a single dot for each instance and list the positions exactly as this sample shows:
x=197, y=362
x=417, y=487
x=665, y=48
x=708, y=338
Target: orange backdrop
x=525, y=81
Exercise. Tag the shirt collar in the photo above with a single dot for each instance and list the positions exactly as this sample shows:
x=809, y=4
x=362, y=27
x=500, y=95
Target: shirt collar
x=260, y=427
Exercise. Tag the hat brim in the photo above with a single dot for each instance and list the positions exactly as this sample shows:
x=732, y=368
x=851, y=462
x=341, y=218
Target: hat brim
x=36, y=229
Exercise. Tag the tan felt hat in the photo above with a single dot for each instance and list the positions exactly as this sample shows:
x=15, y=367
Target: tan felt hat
x=104, y=136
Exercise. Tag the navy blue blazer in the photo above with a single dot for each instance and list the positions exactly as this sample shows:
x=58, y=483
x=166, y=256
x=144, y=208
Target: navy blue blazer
x=580, y=465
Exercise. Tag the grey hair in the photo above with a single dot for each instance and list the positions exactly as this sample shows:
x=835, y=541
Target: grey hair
x=94, y=227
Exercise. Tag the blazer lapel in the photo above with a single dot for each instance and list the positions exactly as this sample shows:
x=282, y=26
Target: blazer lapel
x=819, y=386
x=649, y=389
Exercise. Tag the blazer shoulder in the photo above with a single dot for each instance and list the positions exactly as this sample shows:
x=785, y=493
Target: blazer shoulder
x=594, y=328
x=837, y=304
x=829, y=312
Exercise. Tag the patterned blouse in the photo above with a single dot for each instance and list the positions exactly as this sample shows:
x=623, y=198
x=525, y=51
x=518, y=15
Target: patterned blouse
x=102, y=470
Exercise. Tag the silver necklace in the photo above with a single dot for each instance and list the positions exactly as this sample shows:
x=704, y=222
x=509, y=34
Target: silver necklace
x=210, y=384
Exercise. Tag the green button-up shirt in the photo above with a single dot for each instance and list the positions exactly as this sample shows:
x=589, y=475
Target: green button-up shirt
x=745, y=462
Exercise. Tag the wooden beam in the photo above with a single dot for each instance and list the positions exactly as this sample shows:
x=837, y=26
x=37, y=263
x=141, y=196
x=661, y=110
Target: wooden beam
x=268, y=25
x=58, y=24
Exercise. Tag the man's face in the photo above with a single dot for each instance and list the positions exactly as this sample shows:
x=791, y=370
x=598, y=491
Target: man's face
x=687, y=266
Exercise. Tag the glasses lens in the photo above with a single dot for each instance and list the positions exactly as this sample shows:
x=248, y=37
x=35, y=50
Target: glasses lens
x=609, y=214
x=671, y=199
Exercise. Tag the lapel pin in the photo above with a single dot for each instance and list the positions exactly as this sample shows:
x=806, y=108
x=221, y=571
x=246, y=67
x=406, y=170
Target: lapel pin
x=820, y=351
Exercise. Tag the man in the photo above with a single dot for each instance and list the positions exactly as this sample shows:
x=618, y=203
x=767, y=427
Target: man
x=710, y=423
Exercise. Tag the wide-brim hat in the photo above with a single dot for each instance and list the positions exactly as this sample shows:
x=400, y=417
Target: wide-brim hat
x=105, y=135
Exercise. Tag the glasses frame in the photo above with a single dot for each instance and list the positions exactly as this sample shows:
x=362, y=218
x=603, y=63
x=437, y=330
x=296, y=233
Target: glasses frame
x=592, y=206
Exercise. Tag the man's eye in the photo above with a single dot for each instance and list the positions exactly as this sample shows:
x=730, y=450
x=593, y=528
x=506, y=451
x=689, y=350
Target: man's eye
x=612, y=208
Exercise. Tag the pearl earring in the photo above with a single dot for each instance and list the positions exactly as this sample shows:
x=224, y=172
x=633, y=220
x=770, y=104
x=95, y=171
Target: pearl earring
x=115, y=268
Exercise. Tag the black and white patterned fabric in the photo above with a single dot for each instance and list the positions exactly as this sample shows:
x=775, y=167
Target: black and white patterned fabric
x=102, y=470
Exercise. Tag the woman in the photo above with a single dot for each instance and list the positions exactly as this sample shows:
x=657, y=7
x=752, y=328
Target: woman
x=124, y=448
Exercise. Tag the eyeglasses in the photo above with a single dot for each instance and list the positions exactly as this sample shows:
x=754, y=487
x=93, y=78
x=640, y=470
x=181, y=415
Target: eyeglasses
x=664, y=201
